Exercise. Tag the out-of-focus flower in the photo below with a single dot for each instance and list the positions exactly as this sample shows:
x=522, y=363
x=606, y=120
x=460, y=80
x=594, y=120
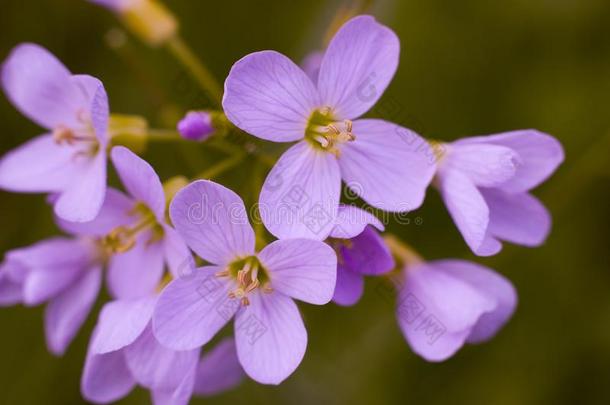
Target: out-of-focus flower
x=257, y=288
x=485, y=183
x=70, y=160
x=65, y=274
x=270, y=97
x=196, y=126
x=361, y=251
x=123, y=352
x=134, y=230
x=148, y=19
x=311, y=64
x=446, y=303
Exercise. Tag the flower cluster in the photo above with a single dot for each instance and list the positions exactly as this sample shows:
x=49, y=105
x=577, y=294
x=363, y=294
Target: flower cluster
x=168, y=304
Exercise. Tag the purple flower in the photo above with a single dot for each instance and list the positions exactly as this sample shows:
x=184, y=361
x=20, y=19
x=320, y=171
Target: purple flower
x=123, y=352
x=360, y=251
x=257, y=288
x=134, y=229
x=270, y=97
x=196, y=126
x=70, y=159
x=116, y=5
x=444, y=304
x=485, y=183
x=61, y=272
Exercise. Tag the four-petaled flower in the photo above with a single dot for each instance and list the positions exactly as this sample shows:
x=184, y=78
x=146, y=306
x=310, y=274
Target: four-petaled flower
x=270, y=97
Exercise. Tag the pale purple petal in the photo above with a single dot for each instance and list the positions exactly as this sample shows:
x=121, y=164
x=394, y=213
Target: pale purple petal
x=137, y=272
x=115, y=212
x=179, y=396
x=10, y=290
x=39, y=165
x=492, y=283
x=270, y=337
x=437, y=311
x=192, y=309
x=387, y=165
x=212, y=220
x=98, y=104
x=40, y=86
x=140, y=180
x=490, y=245
x=359, y=63
x=351, y=221
x=120, y=323
x=156, y=367
x=367, y=254
x=485, y=165
x=114, y=5
x=82, y=200
x=270, y=97
x=52, y=253
x=178, y=257
x=42, y=285
x=219, y=369
x=300, y=196
x=303, y=269
x=67, y=312
x=466, y=206
x=106, y=377
x=311, y=65
x=540, y=154
x=350, y=286
x=518, y=218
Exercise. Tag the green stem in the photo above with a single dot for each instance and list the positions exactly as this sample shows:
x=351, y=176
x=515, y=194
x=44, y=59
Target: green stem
x=202, y=75
x=221, y=167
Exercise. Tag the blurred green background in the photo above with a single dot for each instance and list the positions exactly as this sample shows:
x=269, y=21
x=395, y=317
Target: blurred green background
x=468, y=67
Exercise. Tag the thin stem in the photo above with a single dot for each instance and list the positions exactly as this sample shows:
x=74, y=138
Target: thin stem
x=202, y=75
x=221, y=167
x=164, y=135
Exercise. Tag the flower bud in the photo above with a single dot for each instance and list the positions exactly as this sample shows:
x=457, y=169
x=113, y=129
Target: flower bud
x=196, y=126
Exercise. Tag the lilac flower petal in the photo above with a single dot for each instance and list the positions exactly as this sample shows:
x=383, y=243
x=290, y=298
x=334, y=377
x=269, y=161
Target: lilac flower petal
x=192, y=309
x=114, y=5
x=40, y=86
x=518, y=218
x=98, y=104
x=490, y=245
x=270, y=97
x=10, y=291
x=212, y=220
x=540, y=154
x=270, y=337
x=359, y=63
x=178, y=257
x=219, y=369
x=304, y=269
x=466, y=206
x=82, y=201
x=57, y=252
x=350, y=287
x=351, y=221
x=311, y=65
x=137, y=272
x=67, y=312
x=120, y=323
x=367, y=254
x=140, y=180
x=494, y=285
x=42, y=285
x=389, y=166
x=106, y=378
x=115, y=212
x=156, y=367
x=39, y=165
x=485, y=165
x=300, y=196
x=179, y=396
x=447, y=310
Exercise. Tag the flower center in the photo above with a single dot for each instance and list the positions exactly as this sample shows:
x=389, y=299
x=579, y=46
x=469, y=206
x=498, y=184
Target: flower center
x=83, y=136
x=249, y=275
x=326, y=133
x=123, y=238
